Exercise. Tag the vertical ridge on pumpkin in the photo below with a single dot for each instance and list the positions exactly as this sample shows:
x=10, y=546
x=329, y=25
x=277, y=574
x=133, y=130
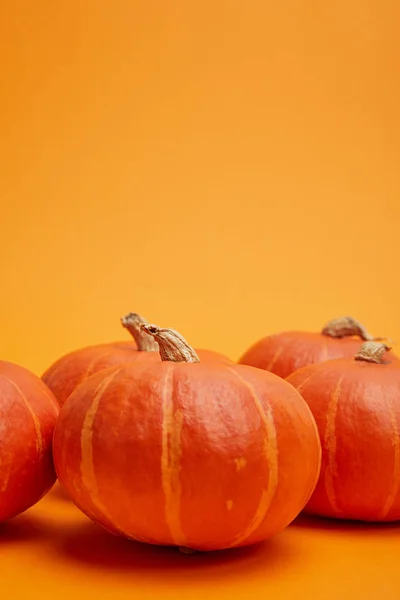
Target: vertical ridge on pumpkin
x=396, y=467
x=325, y=351
x=6, y=477
x=4, y=485
x=170, y=460
x=274, y=358
x=271, y=456
x=330, y=445
x=91, y=369
x=49, y=394
x=302, y=385
x=88, y=474
x=36, y=422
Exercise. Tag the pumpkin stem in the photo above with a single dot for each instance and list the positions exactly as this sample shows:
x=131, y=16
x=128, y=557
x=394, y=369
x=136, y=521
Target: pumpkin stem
x=372, y=352
x=132, y=322
x=172, y=346
x=346, y=327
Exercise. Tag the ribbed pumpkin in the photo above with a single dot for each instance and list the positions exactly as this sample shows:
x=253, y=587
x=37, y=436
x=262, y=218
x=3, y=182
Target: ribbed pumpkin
x=283, y=353
x=28, y=413
x=182, y=453
x=356, y=404
x=70, y=370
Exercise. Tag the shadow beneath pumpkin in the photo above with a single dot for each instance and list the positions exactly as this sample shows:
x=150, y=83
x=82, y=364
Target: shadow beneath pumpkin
x=59, y=492
x=91, y=545
x=357, y=527
x=23, y=528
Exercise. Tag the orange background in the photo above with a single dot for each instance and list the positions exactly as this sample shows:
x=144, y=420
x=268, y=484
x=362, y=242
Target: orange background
x=226, y=168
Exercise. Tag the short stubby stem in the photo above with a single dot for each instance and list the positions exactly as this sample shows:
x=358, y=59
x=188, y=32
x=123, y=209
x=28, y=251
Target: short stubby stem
x=372, y=352
x=172, y=345
x=133, y=322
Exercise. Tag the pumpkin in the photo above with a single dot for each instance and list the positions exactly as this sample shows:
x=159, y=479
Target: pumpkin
x=184, y=453
x=285, y=352
x=356, y=404
x=28, y=413
x=70, y=370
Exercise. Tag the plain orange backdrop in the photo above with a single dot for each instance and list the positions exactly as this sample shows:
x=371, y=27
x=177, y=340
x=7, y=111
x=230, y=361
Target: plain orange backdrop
x=226, y=168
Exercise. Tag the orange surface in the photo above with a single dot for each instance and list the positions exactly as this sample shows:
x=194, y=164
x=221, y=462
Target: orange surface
x=55, y=551
x=226, y=168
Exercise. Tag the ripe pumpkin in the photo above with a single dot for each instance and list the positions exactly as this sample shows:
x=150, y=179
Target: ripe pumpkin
x=356, y=404
x=188, y=454
x=28, y=413
x=70, y=370
x=283, y=353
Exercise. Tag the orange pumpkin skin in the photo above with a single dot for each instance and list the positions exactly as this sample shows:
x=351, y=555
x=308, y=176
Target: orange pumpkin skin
x=63, y=376
x=286, y=352
x=356, y=406
x=28, y=413
x=70, y=370
x=203, y=456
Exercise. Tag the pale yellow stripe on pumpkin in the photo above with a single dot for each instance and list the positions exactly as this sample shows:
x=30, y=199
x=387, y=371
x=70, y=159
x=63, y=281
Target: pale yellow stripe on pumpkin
x=44, y=389
x=88, y=474
x=35, y=419
x=92, y=365
x=271, y=455
x=394, y=490
x=330, y=446
x=300, y=388
x=170, y=461
x=5, y=467
x=324, y=355
x=240, y=463
x=6, y=479
x=274, y=359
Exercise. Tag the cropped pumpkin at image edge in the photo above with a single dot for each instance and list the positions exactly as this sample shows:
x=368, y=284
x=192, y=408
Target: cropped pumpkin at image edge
x=169, y=445
x=356, y=405
x=28, y=411
x=285, y=352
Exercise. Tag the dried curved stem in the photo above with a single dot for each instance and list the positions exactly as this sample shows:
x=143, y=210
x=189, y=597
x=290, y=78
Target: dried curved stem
x=346, y=327
x=172, y=345
x=132, y=322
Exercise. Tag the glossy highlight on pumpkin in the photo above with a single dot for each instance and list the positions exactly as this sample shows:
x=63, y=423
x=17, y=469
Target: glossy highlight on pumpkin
x=356, y=405
x=188, y=454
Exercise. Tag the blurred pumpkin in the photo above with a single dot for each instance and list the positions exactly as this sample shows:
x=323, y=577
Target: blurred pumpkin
x=356, y=405
x=283, y=353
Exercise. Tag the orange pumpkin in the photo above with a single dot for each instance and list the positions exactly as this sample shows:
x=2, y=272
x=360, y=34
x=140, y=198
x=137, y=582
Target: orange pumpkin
x=356, y=404
x=283, y=353
x=70, y=370
x=178, y=452
x=28, y=413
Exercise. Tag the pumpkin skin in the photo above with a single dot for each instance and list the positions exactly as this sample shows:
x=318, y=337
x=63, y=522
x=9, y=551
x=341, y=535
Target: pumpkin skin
x=70, y=370
x=28, y=413
x=73, y=368
x=286, y=352
x=356, y=406
x=63, y=376
x=195, y=455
